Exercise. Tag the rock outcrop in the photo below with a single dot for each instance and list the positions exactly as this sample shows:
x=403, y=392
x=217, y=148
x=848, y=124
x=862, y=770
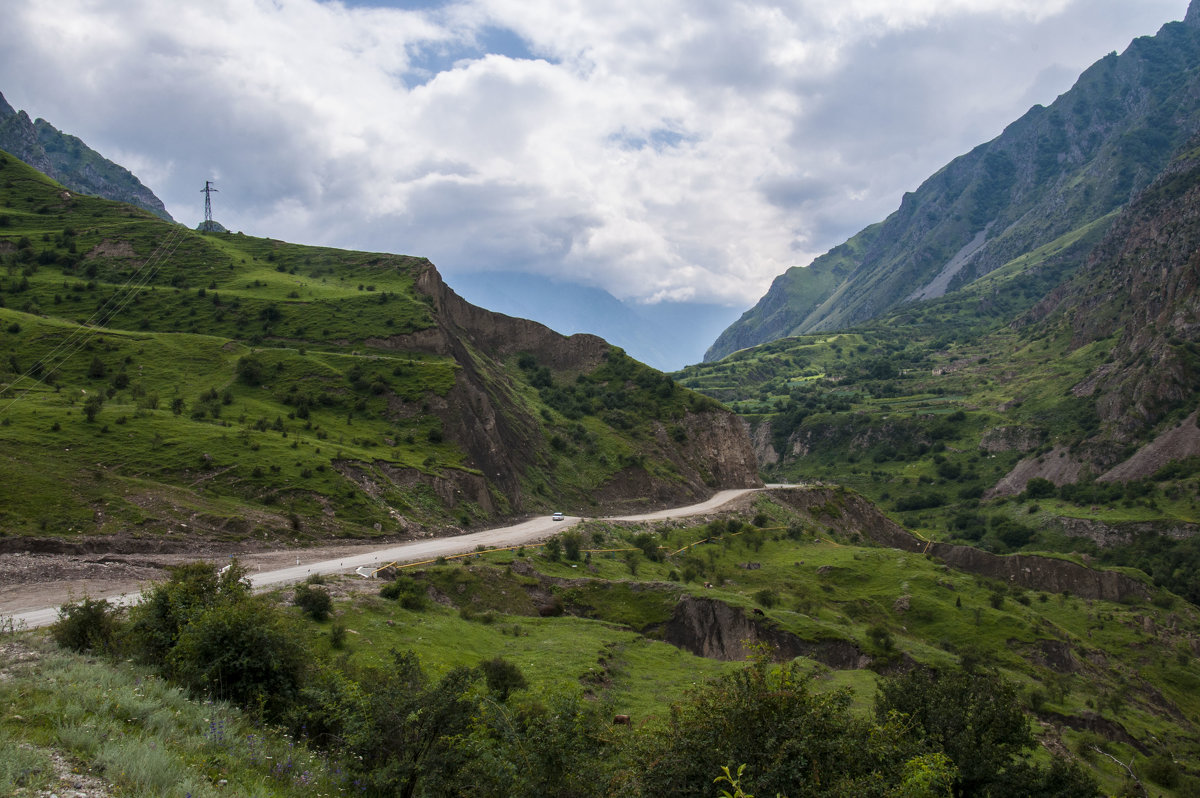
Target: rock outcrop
x=713, y=629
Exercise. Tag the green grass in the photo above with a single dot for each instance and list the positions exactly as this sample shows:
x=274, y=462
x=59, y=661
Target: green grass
x=140, y=735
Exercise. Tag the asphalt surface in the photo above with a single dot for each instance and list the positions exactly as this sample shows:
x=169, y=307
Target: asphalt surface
x=421, y=550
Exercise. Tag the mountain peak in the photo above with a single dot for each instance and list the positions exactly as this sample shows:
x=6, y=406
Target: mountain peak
x=1193, y=14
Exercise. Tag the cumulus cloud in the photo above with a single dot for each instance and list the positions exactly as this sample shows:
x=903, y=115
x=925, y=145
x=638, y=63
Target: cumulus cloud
x=680, y=150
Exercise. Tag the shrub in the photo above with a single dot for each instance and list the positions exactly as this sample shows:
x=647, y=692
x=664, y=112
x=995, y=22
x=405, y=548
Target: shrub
x=246, y=652
x=1039, y=488
x=571, y=542
x=502, y=677
x=407, y=591
x=158, y=621
x=767, y=597
x=88, y=625
x=314, y=601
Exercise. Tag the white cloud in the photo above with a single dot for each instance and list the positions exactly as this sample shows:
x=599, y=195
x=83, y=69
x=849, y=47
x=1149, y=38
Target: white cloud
x=674, y=150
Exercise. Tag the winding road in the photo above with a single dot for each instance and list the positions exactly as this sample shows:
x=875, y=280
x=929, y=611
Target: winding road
x=418, y=550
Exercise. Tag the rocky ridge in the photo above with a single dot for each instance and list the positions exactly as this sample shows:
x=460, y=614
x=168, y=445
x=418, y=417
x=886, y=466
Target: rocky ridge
x=71, y=162
x=1056, y=170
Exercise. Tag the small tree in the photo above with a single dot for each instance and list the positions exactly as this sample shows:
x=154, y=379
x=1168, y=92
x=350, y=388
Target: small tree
x=553, y=549
x=571, y=542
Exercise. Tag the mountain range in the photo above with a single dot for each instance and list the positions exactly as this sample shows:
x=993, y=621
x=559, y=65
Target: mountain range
x=1047, y=178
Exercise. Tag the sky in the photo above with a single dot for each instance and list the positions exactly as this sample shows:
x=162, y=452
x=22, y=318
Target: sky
x=679, y=150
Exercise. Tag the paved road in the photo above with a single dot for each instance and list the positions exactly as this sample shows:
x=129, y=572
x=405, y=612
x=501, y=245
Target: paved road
x=420, y=550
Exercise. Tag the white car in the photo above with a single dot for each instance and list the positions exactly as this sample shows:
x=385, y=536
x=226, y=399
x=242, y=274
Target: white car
x=557, y=517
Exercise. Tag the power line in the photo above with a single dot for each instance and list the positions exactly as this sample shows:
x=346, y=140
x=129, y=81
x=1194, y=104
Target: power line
x=88, y=328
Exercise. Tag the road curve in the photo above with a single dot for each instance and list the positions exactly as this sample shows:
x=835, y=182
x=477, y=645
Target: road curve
x=417, y=550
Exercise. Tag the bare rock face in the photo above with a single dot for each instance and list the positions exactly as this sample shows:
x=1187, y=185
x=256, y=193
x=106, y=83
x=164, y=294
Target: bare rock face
x=1177, y=443
x=71, y=162
x=1009, y=439
x=1057, y=465
x=764, y=447
x=1119, y=534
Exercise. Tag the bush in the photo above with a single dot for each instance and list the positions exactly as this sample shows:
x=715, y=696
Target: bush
x=92, y=625
x=314, y=601
x=407, y=591
x=571, y=542
x=246, y=652
x=502, y=677
x=1039, y=488
x=157, y=622
x=767, y=597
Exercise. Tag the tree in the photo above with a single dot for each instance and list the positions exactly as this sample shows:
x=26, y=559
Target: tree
x=403, y=732
x=974, y=717
x=562, y=745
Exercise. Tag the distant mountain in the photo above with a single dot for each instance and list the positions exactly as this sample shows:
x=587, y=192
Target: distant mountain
x=1054, y=171
x=71, y=162
x=666, y=335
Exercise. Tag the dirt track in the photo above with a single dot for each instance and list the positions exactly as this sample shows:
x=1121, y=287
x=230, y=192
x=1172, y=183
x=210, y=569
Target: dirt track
x=33, y=585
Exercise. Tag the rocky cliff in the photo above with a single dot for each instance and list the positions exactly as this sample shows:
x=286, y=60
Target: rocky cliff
x=71, y=162
x=707, y=448
x=1141, y=285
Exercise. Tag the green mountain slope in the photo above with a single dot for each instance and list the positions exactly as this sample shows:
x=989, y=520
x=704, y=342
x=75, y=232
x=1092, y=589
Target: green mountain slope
x=1054, y=171
x=71, y=162
x=158, y=381
x=1072, y=428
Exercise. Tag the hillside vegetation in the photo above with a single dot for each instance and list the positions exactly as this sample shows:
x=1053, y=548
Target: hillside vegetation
x=511, y=667
x=164, y=384
x=1070, y=427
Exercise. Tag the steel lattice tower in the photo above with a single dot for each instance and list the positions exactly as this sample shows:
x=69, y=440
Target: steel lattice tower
x=208, y=190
